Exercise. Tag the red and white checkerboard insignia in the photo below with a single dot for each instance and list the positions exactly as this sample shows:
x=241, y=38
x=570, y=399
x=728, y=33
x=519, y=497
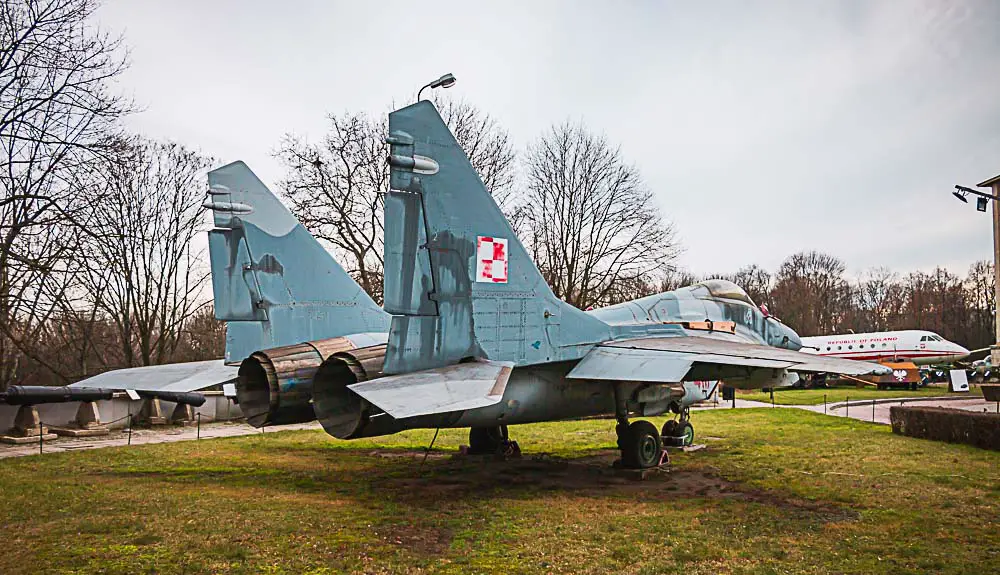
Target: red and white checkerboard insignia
x=491, y=260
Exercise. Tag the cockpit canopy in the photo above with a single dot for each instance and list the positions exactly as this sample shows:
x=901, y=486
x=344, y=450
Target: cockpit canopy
x=726, y=289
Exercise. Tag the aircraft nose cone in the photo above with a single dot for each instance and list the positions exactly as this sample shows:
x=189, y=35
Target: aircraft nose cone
x=962, y=350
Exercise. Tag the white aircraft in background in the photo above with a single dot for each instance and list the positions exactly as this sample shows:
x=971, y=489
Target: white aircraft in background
x=916, y=346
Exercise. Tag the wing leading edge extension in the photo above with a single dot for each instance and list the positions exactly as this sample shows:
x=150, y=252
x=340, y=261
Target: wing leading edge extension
x=669, y=359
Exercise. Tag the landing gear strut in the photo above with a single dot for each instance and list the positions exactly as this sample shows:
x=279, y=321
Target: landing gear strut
x=491, y=441
x=639, y=441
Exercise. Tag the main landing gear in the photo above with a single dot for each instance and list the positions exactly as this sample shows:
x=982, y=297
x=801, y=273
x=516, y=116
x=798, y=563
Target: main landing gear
x=492, y=441
x=641, y=443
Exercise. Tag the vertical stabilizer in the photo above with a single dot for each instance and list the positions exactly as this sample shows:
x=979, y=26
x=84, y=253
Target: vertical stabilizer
x=457, y=279
x=273, y=282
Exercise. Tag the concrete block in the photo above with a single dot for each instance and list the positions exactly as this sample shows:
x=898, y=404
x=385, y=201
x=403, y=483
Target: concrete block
x=182, y=415
x=151, y=413
x=21, y=439
x=27, y=422
x=87, y=415
x=73, y=431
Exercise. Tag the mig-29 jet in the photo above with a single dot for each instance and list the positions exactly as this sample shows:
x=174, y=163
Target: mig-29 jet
x=471, y=335
x=477, y=338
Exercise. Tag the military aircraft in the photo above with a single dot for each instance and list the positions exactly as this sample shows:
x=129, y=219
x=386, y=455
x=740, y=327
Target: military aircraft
x=470, y=335
x=477, y=339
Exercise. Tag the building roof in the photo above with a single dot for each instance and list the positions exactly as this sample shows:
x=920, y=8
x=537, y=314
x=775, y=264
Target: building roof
x=989, y=183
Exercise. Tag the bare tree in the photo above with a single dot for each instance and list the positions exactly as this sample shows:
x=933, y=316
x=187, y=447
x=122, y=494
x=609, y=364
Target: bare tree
x=674, y=279
x=811, y=294
x=334, y=191
x=880, y=300
x=754, y=280
x=56, y=111
x=143, y=272
x=980, y=285
x=334, y=187
x=592, y=222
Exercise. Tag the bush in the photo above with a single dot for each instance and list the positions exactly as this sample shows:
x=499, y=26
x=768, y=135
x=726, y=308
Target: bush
x=943, y=424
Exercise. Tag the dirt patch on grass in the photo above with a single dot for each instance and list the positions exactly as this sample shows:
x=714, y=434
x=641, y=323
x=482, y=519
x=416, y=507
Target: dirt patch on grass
x=417, y=539
x=456, y=477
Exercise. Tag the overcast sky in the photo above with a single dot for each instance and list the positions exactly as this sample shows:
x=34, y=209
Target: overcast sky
x=763, y=128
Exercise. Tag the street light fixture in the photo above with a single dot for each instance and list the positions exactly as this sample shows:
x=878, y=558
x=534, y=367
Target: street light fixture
x=446, y=81
x=982, y=202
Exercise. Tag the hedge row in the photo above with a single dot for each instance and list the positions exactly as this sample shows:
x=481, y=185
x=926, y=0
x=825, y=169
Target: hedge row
x=943, y=424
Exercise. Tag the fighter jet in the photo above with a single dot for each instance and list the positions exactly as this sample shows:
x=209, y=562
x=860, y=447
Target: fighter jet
x=477, y=338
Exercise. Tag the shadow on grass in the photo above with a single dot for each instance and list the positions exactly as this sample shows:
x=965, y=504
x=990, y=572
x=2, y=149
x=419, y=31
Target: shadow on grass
x=375, y=477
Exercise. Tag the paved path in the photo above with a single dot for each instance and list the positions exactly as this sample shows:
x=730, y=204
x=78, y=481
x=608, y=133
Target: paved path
x=862, y=410
x=143, y=436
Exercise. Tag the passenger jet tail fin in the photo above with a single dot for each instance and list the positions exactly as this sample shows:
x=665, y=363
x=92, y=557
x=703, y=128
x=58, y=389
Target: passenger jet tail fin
x=458, y=281
x=272, y=280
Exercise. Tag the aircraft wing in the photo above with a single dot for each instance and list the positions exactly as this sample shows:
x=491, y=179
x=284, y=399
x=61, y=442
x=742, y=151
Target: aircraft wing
x=190, y=376
x=668, y=359
x=439, y=390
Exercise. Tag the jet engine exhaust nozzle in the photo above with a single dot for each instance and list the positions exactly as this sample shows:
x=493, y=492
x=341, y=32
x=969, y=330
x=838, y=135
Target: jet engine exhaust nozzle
x=343, y=413
x=274, y=386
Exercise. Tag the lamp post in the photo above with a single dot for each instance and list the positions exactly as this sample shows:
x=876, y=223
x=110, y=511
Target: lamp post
x=446, y=81
x=982, y=199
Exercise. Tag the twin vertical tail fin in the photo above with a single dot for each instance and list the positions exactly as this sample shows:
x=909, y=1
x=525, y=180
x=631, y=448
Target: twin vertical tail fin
x=272, y=281
x=458, y=281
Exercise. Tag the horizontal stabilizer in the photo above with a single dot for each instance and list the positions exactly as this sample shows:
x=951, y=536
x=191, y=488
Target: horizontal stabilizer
x=190, y=376
x=440, y=390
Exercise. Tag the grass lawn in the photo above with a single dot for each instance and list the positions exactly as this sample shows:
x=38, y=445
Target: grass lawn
x=777, y=491
x=839, y=394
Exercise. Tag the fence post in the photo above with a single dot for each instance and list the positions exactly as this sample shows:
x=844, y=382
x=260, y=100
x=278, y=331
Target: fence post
x=824, y=404
x=847, y=406
x=199, y=426
x=130, y=428
x=41, y=437
x=873, y=411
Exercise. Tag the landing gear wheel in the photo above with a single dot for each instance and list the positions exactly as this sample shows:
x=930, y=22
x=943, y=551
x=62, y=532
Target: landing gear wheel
x=685, y=430
x=669, y=428
x=487, y=439
x=641, y=446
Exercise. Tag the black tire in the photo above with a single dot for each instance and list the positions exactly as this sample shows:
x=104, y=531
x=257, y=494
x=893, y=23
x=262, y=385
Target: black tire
x=669, y=428
x=686, y=430
x=487, y=439
x=641, y=446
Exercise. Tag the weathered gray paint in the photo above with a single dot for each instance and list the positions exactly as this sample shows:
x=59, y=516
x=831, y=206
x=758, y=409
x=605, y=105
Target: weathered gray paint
x=273, y=282
x=471, y=319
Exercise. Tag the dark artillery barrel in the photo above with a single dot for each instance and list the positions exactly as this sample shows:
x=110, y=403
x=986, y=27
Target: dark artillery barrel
x=35, y=394
x=191, y=398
